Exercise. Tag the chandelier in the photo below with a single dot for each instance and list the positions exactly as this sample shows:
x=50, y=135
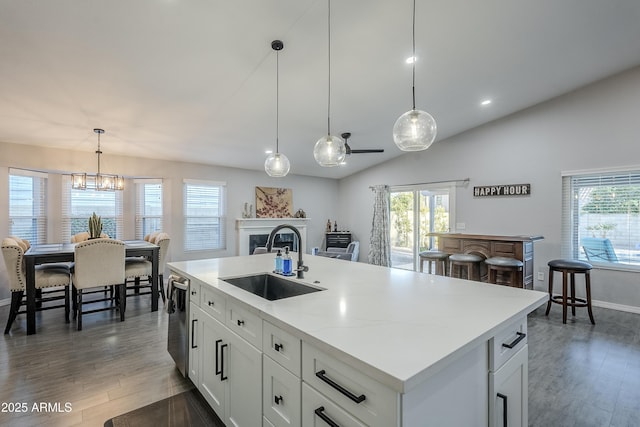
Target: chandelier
x=103, y=181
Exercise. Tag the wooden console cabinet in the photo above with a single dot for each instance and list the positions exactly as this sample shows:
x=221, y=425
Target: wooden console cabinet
x=518, y=247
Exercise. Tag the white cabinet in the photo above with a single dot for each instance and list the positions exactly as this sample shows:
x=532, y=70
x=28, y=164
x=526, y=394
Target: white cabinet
x=195, y=340
x=508, y=391
x=319, y=411
x=281, y=394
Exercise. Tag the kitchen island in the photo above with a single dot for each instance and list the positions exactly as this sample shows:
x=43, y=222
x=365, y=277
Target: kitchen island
x=377, y=346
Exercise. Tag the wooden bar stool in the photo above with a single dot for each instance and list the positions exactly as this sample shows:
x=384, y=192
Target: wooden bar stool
x=570, y=268
x=469, y=261
x=437, y=258
x=502, y=264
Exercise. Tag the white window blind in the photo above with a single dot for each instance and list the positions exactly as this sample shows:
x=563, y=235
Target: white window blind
x=148, y=206
x=28, y=205
x=204, y=216
x=601, y=218
x=79, y=205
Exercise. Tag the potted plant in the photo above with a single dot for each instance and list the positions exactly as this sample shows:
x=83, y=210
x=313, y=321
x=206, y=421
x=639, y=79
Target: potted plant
x=95, y=226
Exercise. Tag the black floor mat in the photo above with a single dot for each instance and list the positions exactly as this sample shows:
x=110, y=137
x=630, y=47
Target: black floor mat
x=185, y=409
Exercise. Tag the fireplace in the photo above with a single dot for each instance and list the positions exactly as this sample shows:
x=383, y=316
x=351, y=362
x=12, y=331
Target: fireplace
x=253, y=232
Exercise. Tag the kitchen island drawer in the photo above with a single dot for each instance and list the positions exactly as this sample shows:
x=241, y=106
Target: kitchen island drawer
x=213, y=303
x=245, y=323
x=365, y=398
x=507, y=342
x=282, y=347
x=318, y=411
x=281, y=395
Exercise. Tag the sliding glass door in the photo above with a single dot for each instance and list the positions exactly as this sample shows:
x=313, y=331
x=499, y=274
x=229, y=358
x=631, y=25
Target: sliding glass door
x=415, y=212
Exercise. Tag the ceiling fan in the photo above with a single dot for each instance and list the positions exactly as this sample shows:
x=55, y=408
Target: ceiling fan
x=347, y=135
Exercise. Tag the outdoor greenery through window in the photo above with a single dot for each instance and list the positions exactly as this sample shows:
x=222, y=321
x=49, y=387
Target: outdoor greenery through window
x=601, y=218
x=78, y=205
x=416, y=211
x=28, y=205
x=204, y=215
x=148, y=206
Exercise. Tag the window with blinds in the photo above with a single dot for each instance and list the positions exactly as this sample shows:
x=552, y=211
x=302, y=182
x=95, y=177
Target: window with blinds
x=28, y=205
x=79, y=205
x=148, y=206
x=601, y=218
x=204, y=215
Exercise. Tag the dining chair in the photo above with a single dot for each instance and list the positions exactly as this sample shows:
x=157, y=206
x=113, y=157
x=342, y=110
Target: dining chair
x=84, y=236
x=138, y=268
x=52, y=282
x=98, y=263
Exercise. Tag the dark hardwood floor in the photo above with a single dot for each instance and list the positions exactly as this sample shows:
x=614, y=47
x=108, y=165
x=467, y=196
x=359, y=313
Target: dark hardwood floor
x=579, y=375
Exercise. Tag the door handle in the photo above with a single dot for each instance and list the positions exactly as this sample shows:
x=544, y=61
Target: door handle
x=520, y=337
x=218, y=370
x=320, y=413
x=222, y=377
x=322, y=375
x=504, y=409
x=193, y=329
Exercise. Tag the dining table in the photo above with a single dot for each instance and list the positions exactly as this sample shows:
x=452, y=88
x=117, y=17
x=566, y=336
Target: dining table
x=64, y=252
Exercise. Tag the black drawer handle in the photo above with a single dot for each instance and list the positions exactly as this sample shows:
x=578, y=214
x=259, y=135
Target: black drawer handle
x=193, y=329
x=323, y=377
x=320, y=413
x=240, y=322
x=218, y=370
x=504, y=409
x=193, y=292
x=515, y=342
x=277, y=346
x=222, y=376
x=277, y=399
x=211, y=303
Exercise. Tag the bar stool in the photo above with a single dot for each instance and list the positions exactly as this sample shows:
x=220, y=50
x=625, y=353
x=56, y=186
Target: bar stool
x=498, y=264
x=571, y=268
x=437, y=258
x=468, y=261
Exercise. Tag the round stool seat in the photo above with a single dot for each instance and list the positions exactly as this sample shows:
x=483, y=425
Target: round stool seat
x=570, y=264
x=438, y=258
x=465, y=258
x=501, y=261
x=437, y=255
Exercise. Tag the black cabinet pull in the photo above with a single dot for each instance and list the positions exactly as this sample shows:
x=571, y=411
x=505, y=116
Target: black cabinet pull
x=323, y=377
x=277, y=399
x=193, y=329
x=504, y=409
x=277, y=346
x=193, y=292
x=222, y=377
x=240, y=322
x=515, y=342
x=218, y=370
x=320, y=413
x=211, y=303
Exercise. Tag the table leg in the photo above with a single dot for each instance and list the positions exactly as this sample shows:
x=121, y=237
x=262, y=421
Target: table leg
x=154, y=279
x=30, y=274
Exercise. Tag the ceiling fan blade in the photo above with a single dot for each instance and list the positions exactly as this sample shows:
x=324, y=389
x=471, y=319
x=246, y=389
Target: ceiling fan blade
x=372, y=150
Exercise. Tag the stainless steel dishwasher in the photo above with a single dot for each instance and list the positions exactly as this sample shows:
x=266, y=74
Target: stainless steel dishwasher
x=178, y=309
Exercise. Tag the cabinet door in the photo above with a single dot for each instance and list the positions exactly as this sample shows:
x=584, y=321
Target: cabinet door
x=242, y=369
x=195, y=340
x=281, y=395
x=508, y=391
x=212, y=383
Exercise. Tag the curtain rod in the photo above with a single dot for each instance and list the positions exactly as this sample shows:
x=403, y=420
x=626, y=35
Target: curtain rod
x=464, y=181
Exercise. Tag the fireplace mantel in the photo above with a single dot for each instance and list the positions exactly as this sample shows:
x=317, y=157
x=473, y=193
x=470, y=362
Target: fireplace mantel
x=247, y=226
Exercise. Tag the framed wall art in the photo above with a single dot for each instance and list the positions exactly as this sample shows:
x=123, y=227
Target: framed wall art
x=274, y=202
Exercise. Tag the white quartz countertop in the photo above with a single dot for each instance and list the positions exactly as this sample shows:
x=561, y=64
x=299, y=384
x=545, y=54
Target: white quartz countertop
x=400, y=327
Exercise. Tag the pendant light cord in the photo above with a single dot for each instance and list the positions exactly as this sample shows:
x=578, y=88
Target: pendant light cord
x=329, y=62
x=277, y=102
x=98, y=152
x=413, y=62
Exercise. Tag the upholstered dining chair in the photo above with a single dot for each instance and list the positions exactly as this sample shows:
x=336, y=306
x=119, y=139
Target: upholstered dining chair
x=98, y=263
x=137, y=268
x=84, y=236
x=53, y=282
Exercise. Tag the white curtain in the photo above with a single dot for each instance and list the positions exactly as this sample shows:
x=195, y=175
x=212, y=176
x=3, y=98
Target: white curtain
x=380, y=242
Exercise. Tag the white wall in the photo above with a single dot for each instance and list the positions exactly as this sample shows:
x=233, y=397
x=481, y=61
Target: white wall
x=594, y=127
x=317, y=196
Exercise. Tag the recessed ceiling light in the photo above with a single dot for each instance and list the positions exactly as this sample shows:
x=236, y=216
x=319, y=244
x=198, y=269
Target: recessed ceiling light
x=268, y=151
x=411, y=60
x=486, y=102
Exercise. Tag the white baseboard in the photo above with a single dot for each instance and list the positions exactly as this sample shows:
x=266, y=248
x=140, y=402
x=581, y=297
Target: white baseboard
x=613, y=306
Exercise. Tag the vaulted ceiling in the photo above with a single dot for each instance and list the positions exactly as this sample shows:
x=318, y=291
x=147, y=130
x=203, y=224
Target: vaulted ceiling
x=196, y=80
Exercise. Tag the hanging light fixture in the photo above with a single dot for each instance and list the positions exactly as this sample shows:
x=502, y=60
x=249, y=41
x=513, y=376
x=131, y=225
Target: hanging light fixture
x=276, y=164
x=103, y=181
x=329, y=150
x=415, y=130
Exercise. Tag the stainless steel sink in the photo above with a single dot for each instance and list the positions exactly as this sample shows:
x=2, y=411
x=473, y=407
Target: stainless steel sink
x=270, y=286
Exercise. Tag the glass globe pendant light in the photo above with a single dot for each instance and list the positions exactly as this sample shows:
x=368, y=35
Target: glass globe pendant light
x=277, y=165
x=415, y=130
x=329, y=150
